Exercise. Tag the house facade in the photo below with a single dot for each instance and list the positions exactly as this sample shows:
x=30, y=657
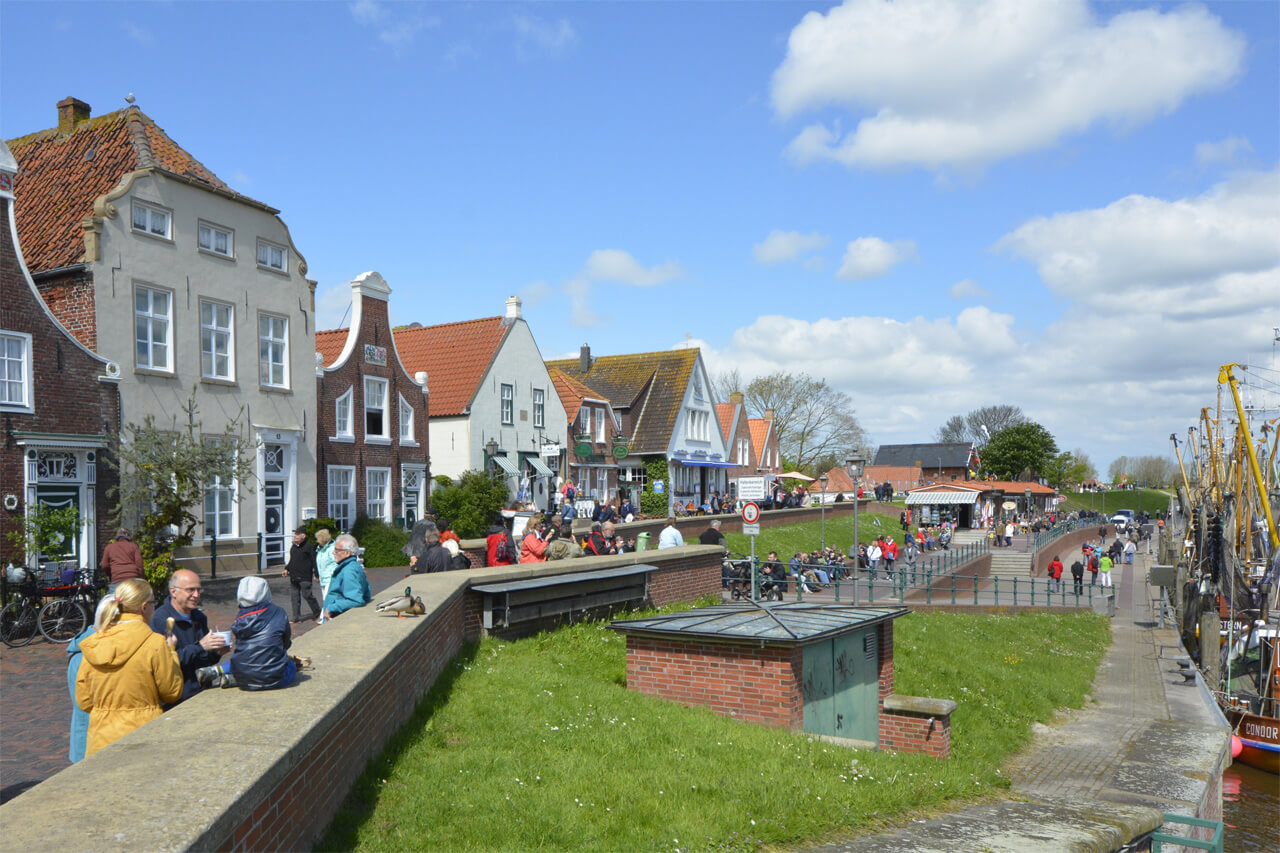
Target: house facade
x=59, y=406
x=938, y=463
x=764, y=437
x=737, y=441
x=595, y=437
x=372, y=448
x=155, y=264
x=493, y=403
x=665, y=410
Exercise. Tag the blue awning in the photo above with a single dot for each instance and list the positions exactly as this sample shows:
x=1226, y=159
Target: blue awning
x=698, y=463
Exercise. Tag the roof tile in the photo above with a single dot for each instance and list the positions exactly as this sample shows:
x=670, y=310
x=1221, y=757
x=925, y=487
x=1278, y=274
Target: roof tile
x=724, y=412
x=330, y=343
x=759, y=435
x=455, y=356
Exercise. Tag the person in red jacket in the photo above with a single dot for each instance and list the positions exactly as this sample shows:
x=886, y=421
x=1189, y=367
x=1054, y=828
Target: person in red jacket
x=533, y=547
x=1055, y=572
x=500, y=547
x=123, y=559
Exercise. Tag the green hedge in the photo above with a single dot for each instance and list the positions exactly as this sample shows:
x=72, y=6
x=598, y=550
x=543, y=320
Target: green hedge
x=652, y=504
x=381, y=543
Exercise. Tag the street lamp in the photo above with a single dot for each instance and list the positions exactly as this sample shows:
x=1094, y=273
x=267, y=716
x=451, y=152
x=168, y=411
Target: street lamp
x=490, y=447
x=822, y=481
x=853, y=466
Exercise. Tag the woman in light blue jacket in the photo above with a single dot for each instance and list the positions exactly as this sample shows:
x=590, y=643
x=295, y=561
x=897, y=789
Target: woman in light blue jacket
x=325, y=561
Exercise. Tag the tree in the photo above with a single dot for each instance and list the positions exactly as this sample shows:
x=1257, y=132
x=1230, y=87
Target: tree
x=728, y=382
x=471, y=503
x=812, y=419
x=1118, y=468
x=1069, y=468
x=954, y=430
x=164, y=474
x=1023, y=449
x=46, y=533
x=980, y=425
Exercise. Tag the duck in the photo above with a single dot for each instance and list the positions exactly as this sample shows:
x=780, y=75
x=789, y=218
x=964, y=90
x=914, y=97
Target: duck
x=401, y=605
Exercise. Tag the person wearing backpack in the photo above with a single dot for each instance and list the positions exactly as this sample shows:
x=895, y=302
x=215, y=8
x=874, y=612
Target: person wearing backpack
x=500, y=548
x=1093, y=569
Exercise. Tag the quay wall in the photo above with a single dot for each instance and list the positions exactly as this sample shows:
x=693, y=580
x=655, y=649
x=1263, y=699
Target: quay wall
x=239, y=770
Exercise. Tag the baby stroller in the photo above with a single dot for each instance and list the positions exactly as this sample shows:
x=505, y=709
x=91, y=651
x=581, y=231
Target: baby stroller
x=735, y=573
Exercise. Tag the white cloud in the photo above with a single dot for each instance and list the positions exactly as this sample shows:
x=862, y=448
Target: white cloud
x=552, y=37
x=941, y=83
x=968, y=289
x=616, y=265
x=782, y=246
x=1225, y=151
x=581, y=314
x=868, y=257
x=394, y=30
x=137, y=33
x=535, y=293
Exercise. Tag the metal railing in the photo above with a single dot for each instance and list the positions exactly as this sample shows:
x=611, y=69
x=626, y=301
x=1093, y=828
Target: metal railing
x=212, y=557
x=1061, y=528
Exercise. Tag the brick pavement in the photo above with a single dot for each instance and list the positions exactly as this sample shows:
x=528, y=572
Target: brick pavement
x=35, y=705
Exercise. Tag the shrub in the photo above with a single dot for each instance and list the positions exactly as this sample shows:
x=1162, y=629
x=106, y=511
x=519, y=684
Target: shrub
x=314, y=524
x=381, y=542
x=470, y=504
x=653, y=504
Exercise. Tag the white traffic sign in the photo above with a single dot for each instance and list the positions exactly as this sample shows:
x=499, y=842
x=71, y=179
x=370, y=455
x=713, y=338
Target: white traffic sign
x=750, y=513
x=751, y=488
x=750, y=529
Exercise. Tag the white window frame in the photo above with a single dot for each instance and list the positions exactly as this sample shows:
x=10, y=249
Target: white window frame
x=220, y=493
x=213, y=332
x=507, y=404
x=600, y=431
x=214, y=231
x=383, y=437
x=269, y=263
x=153, y=217
x=406, y=422
x=697, y=425
x=26, y=402
x=347, y=518
x=150, y=317
x=584, y=420
x=343, y=411
x=539, y=408
x=371, y=500
x=268, y=346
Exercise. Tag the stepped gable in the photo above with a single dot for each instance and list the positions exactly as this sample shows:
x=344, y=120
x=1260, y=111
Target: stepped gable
x=456, y=356
x=61, y=175
x=624, y=379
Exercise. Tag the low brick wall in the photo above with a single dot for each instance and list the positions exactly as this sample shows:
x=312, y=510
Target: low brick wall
x=1067, y=547
x=266, y=770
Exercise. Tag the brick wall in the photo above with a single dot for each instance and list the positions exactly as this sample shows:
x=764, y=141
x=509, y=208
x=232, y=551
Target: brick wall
x=685, y=580
x=1067, y=547
x=903, y=731
x=749, y=683
x=70, y=298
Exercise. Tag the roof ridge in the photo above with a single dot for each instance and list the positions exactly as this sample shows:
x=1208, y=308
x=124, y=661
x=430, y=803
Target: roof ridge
x=138, y=137
x=401, y=329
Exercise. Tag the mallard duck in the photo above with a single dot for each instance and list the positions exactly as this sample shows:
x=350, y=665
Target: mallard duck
x=401, y=605
x=418, y=607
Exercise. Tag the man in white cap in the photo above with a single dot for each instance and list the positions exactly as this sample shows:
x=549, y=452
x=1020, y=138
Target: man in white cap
x=260, y=659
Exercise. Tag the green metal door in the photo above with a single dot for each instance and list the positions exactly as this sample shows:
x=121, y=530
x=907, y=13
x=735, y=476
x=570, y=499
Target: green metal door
x=819, y=711
x=855, y=697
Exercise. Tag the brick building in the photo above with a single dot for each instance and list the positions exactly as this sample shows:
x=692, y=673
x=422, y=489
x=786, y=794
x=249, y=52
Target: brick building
x=372, y=453
x=59, y=403
x=594, y=436
x=937, y=463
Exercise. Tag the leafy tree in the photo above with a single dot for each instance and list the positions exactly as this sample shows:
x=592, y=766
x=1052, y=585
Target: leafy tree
x=46, y=532
x=651, y=503
x=1025, y=448
x=980, y=425
x=1117, y=469
x=164, y=475
x=813, y=420
x=471, y=503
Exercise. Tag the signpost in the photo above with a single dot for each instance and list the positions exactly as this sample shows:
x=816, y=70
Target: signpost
x=751, y=488
x=751, y=527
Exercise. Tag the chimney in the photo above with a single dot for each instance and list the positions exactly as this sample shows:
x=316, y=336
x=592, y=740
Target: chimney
x=513, y=308
x=584, y=358
x=768, y=414
x=71, y=111
x=736, y=398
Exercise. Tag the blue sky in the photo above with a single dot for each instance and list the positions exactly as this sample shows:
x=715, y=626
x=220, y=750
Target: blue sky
x=1073, y=208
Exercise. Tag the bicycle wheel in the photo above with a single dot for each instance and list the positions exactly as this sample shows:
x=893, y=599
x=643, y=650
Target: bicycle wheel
x=17, y=623
x=61, y=619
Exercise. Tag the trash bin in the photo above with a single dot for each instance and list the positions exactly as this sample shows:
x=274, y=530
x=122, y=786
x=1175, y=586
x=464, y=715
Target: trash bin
x=642, y=541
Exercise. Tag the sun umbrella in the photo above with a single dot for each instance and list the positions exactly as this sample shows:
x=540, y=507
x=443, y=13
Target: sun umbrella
x=795, y=475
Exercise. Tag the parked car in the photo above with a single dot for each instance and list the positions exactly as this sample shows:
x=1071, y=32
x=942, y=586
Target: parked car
x=1122, y=518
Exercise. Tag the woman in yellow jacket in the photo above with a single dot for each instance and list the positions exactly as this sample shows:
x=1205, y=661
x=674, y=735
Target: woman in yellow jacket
x=128, y=670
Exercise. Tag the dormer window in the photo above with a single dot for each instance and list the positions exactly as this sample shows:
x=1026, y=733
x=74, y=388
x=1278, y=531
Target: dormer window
x=151, y=220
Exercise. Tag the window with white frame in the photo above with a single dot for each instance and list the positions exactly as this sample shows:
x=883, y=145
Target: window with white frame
x=508, y=404
x=744, y=452
x=272, y=256
x=342, y=495
x=584, y=421
x=600, y=419
x=375, y=408
x=215, y=239
x=342, y=415
x=697, y=425
x=153, y=328
x=539, y=408
x=219, y=509
x=15, y=370
x=216, y=350
x=406, y=421
x=377, y=485
x=148, y=219
x=273, y=351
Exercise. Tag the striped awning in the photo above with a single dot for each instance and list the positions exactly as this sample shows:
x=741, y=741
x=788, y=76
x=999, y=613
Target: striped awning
x=940, y=498
x=506, y=465
x=536, y=464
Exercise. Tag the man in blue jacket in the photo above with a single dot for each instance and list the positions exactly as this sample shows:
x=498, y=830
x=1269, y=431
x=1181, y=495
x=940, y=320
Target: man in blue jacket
x=349, y=587
x=196, y=647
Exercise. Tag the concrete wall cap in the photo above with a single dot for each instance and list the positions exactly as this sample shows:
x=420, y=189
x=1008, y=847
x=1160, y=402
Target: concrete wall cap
x=919, y=705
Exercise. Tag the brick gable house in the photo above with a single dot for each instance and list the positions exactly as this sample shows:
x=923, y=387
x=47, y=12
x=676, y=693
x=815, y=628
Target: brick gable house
x=59, y=403
x=593, y=429
x=372, y=455
x=157, y=265
x=737, y=438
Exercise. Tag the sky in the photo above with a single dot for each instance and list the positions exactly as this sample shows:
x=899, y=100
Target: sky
x=1069, y=207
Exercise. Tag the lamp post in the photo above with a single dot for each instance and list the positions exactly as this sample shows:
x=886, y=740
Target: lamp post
x=853, y=467
x=822, y=482
x=491, y=448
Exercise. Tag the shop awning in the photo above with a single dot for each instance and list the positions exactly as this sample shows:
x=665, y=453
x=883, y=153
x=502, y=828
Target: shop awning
x=506, y=465
x=698, y=463
x=940, y=498
x=536, y=464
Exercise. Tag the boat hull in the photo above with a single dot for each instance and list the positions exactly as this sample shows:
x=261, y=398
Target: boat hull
x=1259, y=740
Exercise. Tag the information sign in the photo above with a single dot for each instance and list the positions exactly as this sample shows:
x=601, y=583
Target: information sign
x=750, y=529
x=751, y=488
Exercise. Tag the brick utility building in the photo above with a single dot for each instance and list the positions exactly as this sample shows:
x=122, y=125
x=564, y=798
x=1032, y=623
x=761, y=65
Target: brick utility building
x=154, y=263
x=937, y=463
x=59, y=403
x=372, y=449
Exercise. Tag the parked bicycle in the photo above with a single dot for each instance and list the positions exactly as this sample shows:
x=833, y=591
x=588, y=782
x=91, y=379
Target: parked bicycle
x=18, y=618
x=72, y=592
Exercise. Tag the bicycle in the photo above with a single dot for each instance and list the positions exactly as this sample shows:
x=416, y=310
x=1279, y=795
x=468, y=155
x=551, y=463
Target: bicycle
x=19, y=618
x=61, y=619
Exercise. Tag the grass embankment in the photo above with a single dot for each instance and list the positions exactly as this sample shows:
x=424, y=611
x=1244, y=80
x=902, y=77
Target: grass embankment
x=536, y=744
x=1138, y=500
x=807, y=535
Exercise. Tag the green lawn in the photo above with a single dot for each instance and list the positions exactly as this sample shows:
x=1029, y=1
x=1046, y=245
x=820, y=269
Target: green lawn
x=807, y=535
x=1151, y=500
x=536, y=744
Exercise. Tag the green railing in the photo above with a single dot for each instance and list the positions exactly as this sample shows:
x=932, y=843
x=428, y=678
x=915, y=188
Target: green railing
x=1062, y=528
x=1159, y=839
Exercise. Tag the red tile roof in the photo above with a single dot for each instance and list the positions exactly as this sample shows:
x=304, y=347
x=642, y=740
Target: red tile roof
x=724, y=411
x=330, y=343
x=1007, y=486
x=572, y=392
x=759, y=435
x=837, y=481
x=61, y=175
x=455, y=356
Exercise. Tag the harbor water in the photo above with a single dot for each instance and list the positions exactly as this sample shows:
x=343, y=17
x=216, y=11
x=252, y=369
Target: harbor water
x=1250, y=809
